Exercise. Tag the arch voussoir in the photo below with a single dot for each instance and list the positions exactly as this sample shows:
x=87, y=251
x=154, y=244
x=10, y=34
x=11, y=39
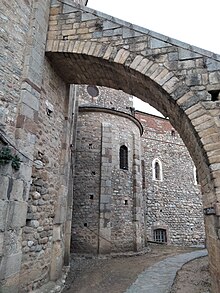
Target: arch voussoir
x=121, y=56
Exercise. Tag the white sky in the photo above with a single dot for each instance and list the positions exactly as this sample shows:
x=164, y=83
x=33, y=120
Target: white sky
x=195, y=22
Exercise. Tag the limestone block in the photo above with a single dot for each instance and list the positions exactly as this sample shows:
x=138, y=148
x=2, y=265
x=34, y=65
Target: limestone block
x=114, y=32
x=108, y=25
x=56, y=233
x=212, y=64
x=217, y=209
x=25, y=172
x=171, y=84
x=12, y=264
x=122, y=56
x=187, y=54
x=194, y=79
x=17, y=190
x=30, y=100
x=3, y=213
x=129, y=33
x=57, y=261
x=214, y=78
x=4, y=182
x=1, y=243
x=17, y=214
x=138, y=59
x=88, y=16
x=60, y=214
x=155, y=43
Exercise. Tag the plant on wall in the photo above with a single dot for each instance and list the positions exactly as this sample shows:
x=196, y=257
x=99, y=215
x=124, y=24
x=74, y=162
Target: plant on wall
x=6, y=156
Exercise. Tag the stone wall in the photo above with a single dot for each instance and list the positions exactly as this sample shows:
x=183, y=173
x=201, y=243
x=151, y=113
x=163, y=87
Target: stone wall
x=36, y=110
x=48, y=195
x=36, y=123
x=173, y=203
x=107, y=200
x=15, y=22
x=105, y=97
x=14, y=184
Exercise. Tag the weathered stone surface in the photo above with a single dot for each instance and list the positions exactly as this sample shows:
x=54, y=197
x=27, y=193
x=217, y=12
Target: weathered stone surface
x=29, y=80
x=13, y=263
x=17, y=190
x=17, y=214
x=173, y=203
x=4, y=183
x=4, y=206
x=103, y=195
x=57, y=261
x=1, y=243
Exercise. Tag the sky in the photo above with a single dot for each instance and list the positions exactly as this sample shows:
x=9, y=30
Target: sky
x=195, y=22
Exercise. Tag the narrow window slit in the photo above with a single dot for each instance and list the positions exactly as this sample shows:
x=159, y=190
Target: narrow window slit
x=215, y=95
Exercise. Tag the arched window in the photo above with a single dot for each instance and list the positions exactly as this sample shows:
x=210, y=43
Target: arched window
x=157, y=170
x=123, y=154
x=160, y=235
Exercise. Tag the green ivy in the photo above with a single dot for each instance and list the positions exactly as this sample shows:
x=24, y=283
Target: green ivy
x=16, y=162
x=6, y=157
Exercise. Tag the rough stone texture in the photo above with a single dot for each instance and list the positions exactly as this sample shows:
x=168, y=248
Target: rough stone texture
x=102, y=190
x=48, y=192
x=89, y=47
x=27, y=112
x=106, y=98
x=175, y=202
x=14, y=185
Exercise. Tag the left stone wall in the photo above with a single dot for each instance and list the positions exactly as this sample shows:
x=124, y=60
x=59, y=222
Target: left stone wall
x=43, y=236
x=34, y=122
x=14, y=185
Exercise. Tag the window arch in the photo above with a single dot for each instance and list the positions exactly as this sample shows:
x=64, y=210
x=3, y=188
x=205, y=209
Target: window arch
x=157, y=173
x=123, y=155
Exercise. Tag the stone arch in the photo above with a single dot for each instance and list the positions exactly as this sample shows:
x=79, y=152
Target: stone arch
x=173, y=99
x=88, y=47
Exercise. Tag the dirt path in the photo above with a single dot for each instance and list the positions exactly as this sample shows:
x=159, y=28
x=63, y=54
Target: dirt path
x=194, y=277
x=114, y=275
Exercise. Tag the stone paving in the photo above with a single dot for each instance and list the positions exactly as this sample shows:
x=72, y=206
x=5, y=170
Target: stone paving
x=160, y=277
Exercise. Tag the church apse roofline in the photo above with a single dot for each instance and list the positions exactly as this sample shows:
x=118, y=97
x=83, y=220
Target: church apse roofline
x=113, y=112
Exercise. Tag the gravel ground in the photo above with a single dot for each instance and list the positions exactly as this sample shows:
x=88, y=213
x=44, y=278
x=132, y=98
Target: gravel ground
x=194, y=277
x=115, y=275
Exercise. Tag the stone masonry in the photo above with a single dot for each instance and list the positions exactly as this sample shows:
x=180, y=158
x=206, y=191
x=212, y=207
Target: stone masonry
x=173, y=203
x=46, y=46
x=36, y=117
x=108, y=201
